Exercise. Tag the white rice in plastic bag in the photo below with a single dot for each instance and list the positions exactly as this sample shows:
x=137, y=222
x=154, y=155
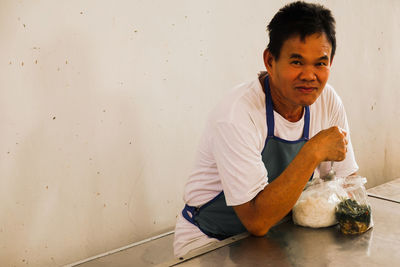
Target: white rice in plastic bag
x=316, y=205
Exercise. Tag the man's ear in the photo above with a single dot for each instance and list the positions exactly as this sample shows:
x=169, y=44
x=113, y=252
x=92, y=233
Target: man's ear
x=268, y=60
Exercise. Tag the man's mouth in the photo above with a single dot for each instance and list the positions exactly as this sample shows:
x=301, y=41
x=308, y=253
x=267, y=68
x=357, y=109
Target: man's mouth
x=306, y=89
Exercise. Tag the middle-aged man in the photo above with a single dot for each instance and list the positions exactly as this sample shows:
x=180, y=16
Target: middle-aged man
x=268, y=137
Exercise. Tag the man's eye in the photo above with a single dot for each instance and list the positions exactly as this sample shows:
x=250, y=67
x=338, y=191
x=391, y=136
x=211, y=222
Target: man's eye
x=296, y=62
x=321, y=64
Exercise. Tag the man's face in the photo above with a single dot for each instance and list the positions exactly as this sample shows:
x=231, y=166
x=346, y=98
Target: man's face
x=298, y=77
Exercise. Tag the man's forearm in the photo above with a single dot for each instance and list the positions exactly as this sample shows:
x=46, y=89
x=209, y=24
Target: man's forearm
x=278, y=197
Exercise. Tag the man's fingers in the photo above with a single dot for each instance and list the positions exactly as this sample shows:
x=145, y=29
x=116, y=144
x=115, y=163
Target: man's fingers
x=344, y=134
x=342, y=131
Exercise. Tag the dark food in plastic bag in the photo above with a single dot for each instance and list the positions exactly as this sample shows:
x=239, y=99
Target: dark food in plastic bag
x=353, y=217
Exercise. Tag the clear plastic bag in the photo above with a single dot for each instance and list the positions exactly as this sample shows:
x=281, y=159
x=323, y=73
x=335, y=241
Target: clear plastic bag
x=316, y=205
x=354, y=212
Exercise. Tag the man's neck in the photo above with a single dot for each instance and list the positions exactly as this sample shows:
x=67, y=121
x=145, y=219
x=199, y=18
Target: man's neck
x=289, y=112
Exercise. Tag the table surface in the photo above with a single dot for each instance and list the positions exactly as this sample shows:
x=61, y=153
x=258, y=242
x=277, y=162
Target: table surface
x=390, y=190
x=289, y=245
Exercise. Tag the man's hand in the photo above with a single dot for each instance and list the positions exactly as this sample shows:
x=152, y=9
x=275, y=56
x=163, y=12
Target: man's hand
x=329, y=144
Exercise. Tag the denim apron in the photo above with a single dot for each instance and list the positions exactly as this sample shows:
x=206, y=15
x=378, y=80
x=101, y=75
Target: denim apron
x=215, y=218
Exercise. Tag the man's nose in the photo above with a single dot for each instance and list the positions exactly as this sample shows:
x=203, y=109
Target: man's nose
x=308, y=74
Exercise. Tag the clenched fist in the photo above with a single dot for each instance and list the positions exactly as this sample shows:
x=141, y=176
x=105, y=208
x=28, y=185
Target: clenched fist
x=329, y=144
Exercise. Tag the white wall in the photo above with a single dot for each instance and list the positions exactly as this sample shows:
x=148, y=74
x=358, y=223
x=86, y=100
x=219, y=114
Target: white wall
x=102, y=104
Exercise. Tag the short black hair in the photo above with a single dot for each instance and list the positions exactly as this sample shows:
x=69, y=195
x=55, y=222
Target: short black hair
x=300, y=19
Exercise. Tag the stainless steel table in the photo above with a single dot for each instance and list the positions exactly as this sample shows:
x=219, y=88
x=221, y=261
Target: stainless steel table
x=289, y=245
x=149, y=253
x=389, y=190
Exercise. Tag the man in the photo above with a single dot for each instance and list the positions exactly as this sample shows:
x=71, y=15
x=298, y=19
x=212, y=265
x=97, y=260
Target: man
x=267, y=138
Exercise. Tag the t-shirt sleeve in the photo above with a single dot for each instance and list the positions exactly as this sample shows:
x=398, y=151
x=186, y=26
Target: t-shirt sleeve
x=240, y=166
x=337, y=117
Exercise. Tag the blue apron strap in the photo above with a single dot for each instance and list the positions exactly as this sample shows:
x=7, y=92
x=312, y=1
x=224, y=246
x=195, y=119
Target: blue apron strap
x=193, y=211
x=306, y=128
x=270, y=108
x=189, y=210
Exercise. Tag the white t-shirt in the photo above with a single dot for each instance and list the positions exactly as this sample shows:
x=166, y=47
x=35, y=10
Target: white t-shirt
x=229, y=155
